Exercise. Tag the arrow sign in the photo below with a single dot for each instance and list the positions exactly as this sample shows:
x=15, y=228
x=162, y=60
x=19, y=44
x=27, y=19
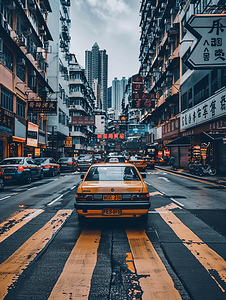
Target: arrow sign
x=210, y=49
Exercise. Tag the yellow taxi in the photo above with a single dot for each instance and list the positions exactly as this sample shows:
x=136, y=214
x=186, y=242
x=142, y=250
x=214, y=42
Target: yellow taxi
x=139, y=162
x=112, y=190
x=149, y=161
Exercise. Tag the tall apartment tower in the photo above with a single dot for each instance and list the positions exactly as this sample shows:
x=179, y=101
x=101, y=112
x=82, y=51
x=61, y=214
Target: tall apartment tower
x=96, y=70
x=118, y=92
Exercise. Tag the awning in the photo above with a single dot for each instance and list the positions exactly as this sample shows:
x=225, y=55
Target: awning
x=180, y=142
x=213, y=136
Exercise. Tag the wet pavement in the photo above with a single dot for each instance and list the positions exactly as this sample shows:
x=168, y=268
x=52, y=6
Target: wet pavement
x=218, y=178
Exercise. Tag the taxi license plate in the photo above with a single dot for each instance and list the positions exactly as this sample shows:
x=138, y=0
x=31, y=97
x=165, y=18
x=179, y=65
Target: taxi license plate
x=111, y=211
x=63, y=164
x=112, y=197
x=8, y=177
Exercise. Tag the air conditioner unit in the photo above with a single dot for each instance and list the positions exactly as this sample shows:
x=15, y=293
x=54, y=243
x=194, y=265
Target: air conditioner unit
x=164, y=5
x=169, y=74
x=21, y=61
x=159, y=89
x=171, y=39
x=156, y=70
x=167, y=47
x=167, y=21
x=163, y=84
x=167, y=93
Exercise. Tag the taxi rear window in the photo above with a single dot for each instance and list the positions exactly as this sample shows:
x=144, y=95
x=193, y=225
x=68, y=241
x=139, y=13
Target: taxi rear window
x=114, y=173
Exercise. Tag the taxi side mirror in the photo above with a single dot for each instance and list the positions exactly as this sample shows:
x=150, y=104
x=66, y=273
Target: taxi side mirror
x=82, y=176
x=144, y=175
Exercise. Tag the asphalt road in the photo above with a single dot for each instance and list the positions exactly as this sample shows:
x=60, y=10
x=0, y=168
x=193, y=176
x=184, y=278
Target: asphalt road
x=179, y=254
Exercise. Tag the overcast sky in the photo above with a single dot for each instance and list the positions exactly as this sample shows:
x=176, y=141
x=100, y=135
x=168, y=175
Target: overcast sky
x=114, y=25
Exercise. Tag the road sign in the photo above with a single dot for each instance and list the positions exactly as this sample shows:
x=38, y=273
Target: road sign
x=68, y=142
x=210, y=49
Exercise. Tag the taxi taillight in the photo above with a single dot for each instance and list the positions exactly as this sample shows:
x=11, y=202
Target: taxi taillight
x=70, y=163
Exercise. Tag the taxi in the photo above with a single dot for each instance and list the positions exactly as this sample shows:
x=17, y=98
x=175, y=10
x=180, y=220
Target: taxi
x=149, y=161
x=139, y=162
x=112, y=190
x=49, y=165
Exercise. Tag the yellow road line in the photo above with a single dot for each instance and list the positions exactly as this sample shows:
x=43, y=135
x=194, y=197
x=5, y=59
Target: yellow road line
x=211, y=261
x=16, y=221
x=191, y=178
x=75, y=279
x=13, y=267
x=155, y=281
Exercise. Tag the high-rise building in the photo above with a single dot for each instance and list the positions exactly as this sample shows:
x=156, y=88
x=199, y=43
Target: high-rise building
x=118, y=92
x=96, y=70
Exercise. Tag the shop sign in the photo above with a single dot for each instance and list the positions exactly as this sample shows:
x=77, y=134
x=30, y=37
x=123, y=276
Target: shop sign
x=111, y=136
x=68, y=142
x=32, y=135
x=45, y=107
x=171, y=129
x=37, y=152
x=144, y=96
x=209, y=50
x=82, y=120
x=143, y=103
x=138, y=79
x=7, y=119
x=211, y=108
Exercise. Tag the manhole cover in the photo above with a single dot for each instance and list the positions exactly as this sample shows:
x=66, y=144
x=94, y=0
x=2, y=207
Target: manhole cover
x=41, y=195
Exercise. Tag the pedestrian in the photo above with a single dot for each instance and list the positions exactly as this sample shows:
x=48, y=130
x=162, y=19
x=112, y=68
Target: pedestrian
x=172, y=161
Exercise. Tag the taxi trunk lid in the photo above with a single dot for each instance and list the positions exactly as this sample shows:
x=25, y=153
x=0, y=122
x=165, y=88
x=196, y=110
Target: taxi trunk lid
x=112, y=187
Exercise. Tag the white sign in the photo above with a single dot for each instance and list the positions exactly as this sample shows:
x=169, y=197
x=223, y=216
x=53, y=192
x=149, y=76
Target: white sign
x=210, y=109
x=32, y=135
x=210, y=49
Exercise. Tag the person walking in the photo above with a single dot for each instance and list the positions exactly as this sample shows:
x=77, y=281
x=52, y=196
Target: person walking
x=172, y=162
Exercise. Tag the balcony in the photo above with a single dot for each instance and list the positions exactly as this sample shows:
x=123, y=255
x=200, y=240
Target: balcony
x=78, y=134
x=77, y=107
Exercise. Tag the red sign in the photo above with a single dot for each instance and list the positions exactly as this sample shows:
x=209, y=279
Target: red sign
x=111, y=136
x=143, y=104
x=138, y=79
x=82, y=120
x=45, y=107
x=145, y=96
x=137, y=87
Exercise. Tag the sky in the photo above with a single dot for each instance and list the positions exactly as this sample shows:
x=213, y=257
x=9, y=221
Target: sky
x=114, y=25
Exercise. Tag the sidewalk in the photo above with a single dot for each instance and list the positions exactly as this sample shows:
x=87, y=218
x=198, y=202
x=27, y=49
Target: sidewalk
x=218, y=179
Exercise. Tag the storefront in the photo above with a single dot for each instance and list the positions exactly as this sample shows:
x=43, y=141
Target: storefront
x=205, y=124
x=18, y=141
x=7, y=125
x=32, y=139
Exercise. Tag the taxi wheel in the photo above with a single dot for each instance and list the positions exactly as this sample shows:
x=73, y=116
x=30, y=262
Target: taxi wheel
x=81, y=219
x=144, y=219
x=53, y=173
x=2, y=184
x=41, y=175
x=29, y=178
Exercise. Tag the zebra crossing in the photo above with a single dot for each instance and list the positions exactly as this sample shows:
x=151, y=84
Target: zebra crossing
x=154, y=281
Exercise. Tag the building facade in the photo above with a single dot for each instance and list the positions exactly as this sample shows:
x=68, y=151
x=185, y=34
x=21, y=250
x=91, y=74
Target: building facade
x=118, y=92
x=96, y=70
x=58, y=76
x=81, y=107
x=24, y=36
x=181, y=89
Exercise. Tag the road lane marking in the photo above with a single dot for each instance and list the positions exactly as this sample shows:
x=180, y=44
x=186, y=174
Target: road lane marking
x=73, y=187
x=164, y=178
x=155, y=193
x=192, y=178
x=5, y=198
x=211, y=261
x=16, y=221
x=13, y=267
x=35, y=187
x=176, y=202
x=154, y=279
x=74, y=281
x=58, y=198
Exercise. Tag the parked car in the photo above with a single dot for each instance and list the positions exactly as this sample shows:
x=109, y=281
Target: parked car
x=2, y=180
x=67, y=164
x=49, y=165
x=112, y=190
x=150, y=161
x=22, y=168
x=84, y=162
x=97, y=158
x=138, y=161
x=116, y=158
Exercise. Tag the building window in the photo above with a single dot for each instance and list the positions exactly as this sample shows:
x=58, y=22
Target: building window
x=190, y=98
x=184, y=101
x=7, y=58
x=214, y=81
x=20, y=71
x=201, y=90
x=6, y=100
x=20, y=108
x=176, y=72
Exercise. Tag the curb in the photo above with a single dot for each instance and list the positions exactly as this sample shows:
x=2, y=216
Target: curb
x=193, y=176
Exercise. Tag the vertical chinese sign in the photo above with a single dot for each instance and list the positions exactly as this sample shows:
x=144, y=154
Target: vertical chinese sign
x=140, y=99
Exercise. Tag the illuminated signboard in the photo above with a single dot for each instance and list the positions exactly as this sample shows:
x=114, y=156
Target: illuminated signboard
x=111, y=136
x=143, y=104
x=82, y=120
